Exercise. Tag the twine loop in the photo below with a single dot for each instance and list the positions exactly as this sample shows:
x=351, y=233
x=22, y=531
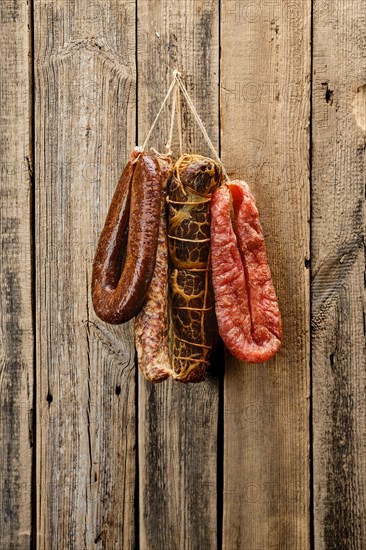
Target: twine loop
x=178, y=86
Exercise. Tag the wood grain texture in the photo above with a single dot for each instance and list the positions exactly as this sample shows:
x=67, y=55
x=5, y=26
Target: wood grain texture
x=177, y=424
x=338, y=275
x=85, y=130
x=86, y=426
x=16, y=330
x=265, y=93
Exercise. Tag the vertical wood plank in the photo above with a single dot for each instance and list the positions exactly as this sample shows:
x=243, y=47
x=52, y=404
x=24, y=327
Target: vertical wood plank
x=265, y=141
x=16, y=330
x=338, y=273
x=177, y=424
x=85, y=131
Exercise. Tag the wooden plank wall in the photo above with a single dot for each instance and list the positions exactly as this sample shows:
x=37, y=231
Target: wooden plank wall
x=177, y=424
x=16, y=325
x=338, y=266
x=264, y=456
x=85, y=130
x=265, y=72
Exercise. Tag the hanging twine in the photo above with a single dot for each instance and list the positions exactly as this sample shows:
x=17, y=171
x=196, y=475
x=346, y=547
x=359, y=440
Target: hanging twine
x=177, y=85
x=179, y=117
x=171, y=88
x=169, y=143
x=200, y=124
x=176, y=111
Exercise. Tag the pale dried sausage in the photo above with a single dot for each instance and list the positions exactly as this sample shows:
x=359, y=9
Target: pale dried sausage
x=151, y=324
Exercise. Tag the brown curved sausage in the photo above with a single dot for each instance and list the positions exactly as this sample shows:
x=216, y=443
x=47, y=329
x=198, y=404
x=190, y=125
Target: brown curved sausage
x=245, y=299
x=122, y=274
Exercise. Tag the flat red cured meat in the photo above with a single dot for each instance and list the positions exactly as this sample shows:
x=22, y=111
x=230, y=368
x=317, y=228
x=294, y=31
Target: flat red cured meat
x=245, y=300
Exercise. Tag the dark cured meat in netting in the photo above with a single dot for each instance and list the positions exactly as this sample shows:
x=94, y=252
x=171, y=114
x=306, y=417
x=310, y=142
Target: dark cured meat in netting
x=193, y=328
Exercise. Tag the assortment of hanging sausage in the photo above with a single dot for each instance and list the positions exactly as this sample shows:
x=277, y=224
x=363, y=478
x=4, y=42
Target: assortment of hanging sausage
x=182, y=251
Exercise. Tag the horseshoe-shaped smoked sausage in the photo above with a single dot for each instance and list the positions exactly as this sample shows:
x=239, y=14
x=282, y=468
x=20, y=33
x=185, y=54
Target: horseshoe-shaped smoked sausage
x=122, y=273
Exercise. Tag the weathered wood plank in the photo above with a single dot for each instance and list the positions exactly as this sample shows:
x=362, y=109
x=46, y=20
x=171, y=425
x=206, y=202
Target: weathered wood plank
x=177, y=424
x=265, y=141
x=85, y=131
x=338, y=268
x=16, y=330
